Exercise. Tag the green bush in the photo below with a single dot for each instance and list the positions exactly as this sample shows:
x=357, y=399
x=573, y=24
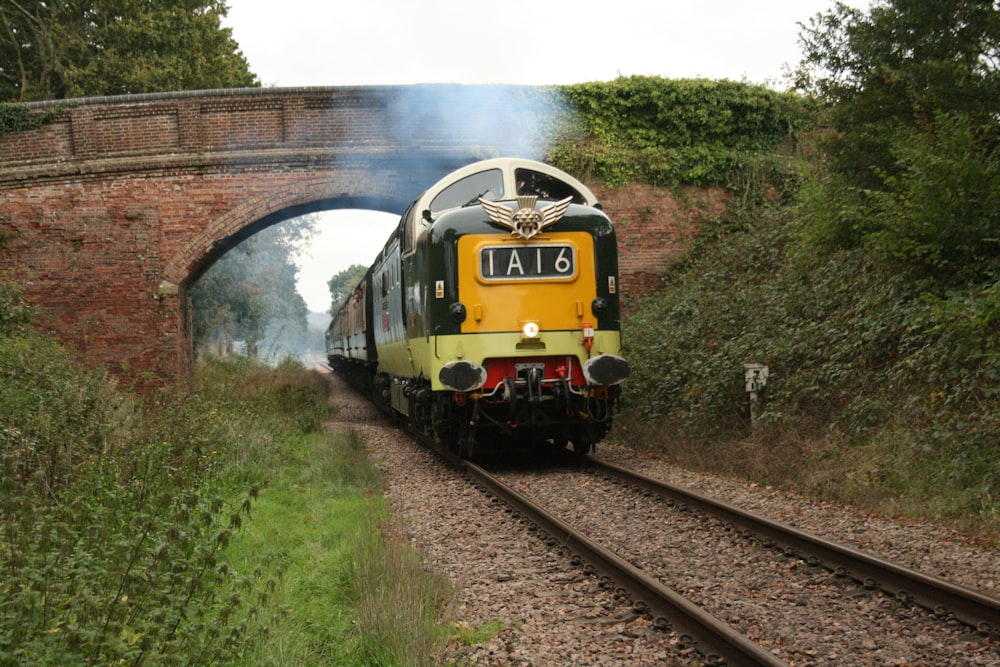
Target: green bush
x=18, y=117
x=114, y=518
x=879, y=390
x=934, y=217
x=285, y=392
x=15, y=311
x=126, y=535
x=669, y=132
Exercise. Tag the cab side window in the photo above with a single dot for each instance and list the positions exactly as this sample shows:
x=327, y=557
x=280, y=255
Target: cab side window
x=409, y=226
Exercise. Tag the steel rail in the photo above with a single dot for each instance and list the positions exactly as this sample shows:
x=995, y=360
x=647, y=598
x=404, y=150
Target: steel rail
x=717, y=641
x=944, y=598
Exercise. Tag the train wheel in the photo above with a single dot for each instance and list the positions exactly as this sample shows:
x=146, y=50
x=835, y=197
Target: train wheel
x=560, y=443
x=584, y=439
x=441, y=430
x=468, y=448
x=466, y=436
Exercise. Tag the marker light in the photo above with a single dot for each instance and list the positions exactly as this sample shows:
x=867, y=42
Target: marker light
x=588, y=335
x=530, y=329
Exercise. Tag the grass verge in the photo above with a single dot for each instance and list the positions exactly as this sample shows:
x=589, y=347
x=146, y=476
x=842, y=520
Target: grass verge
x=349, y=590
x=215, y=527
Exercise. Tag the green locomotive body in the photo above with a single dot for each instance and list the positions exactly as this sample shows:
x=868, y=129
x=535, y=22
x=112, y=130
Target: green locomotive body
x=494, y=312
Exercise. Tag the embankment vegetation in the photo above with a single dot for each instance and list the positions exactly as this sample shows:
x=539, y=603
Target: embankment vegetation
x=858, y=260
x=217, y=527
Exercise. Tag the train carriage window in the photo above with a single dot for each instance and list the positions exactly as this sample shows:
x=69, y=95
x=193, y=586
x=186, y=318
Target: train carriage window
x=531, y=182
x=486, y=184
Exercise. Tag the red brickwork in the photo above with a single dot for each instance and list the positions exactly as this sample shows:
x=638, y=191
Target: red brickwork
x=655, y=227
x=111, y=210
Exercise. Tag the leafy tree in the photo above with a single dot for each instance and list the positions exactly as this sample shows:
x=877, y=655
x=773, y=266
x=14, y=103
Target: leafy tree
x=76, y=48
x=249, y=295
x=342, y=284
x=912, y=89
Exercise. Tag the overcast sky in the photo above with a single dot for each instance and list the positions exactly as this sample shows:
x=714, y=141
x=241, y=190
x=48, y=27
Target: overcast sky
x=292, y=43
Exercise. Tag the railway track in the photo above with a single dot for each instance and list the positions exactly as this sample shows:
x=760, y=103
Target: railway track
x=634, y=579
x=943, y=598
x=716, y=640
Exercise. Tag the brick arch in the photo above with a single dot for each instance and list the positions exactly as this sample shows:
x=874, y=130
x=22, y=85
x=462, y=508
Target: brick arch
x=257, y=213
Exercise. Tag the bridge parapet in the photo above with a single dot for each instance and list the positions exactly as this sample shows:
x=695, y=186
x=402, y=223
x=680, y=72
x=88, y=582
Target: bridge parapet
x=316, y=123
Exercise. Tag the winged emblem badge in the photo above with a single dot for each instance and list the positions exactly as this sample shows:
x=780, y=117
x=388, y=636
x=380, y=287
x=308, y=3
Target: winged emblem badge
x=526, y=221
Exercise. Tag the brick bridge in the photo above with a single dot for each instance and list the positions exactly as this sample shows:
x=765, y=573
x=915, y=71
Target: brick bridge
x=111, y=210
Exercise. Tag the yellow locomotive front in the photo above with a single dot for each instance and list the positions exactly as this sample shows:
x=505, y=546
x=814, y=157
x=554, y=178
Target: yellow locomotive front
x=513, y=319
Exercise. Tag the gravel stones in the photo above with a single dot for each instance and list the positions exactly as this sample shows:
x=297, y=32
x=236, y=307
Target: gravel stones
x=535, y=606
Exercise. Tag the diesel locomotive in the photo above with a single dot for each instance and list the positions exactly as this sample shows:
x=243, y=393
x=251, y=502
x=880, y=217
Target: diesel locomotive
x=491, y=315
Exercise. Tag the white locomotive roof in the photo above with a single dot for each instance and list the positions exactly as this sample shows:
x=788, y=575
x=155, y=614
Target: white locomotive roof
x=502, y=179
x=499, y=179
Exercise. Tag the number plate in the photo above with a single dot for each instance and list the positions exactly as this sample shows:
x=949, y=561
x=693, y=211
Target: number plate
x=527, y=262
